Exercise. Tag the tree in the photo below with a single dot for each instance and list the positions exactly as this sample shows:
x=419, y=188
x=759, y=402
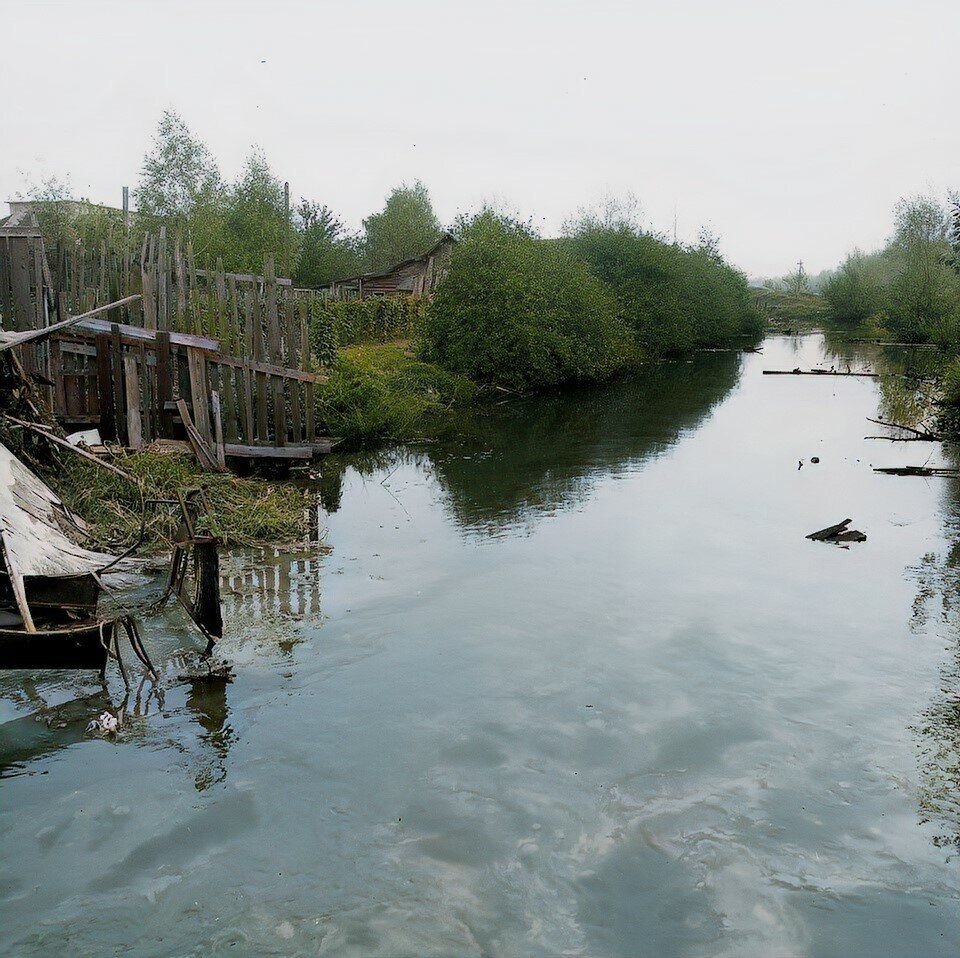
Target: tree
x=328, y=251
x=796, y=282
x=405, y=227
x=257, y=222
x=180, y=183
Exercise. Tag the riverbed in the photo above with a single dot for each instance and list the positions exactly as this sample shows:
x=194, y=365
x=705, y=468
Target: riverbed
x=571, y=682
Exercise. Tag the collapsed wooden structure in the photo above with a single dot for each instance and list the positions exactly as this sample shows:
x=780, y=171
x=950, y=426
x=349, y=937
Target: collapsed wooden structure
x=417, y=276
x=233, y=347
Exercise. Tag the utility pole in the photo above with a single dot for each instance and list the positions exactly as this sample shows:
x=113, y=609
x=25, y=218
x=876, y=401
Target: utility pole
x=286, y=232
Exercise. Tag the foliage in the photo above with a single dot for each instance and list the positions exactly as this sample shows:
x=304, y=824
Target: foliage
x=242, y=510
x=405, y=227
x=855, y=292
x=180, y=186
x=256, y=223
x=522, y=312
x=327, y=250
x=334, y=323
x=925, y=293
x=911, y=287
x=382, y=392
x=674, y=297
x=949, y=420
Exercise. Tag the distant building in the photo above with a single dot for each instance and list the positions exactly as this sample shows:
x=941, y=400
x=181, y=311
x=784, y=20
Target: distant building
x=413, y=277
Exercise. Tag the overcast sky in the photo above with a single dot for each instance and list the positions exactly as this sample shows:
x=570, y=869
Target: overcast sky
x=791, y=128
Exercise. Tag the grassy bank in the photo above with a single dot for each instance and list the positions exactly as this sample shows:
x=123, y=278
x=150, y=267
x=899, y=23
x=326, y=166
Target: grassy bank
x=784, y=312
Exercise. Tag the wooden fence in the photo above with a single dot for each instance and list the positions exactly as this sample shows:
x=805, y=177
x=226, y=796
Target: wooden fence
x=235, y=347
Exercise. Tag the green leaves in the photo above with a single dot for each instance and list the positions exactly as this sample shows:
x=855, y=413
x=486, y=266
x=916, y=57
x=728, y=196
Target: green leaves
x=521, y=312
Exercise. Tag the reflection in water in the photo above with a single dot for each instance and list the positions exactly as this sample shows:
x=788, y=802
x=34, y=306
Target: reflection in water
x=207, y=700
x=271, y=584
x=532, y=457
x=938, y=730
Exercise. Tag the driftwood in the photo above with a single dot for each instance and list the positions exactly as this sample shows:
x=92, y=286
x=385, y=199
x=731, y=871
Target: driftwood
x=918, y=435
x=947, y=471
x=816, y=372
x=838, y=533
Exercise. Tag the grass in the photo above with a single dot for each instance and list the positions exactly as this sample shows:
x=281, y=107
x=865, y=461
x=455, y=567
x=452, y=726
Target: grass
x=241, y=510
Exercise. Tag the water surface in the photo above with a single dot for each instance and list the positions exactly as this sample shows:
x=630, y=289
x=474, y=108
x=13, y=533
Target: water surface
x=573, y=683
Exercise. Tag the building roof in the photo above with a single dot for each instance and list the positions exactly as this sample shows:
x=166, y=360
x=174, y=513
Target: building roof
x=377, y=273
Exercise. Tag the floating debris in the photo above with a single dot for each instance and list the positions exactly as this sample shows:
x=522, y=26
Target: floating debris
x=838, y=533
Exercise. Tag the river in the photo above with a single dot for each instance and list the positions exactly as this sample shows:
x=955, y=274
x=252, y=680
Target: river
x=573, y=682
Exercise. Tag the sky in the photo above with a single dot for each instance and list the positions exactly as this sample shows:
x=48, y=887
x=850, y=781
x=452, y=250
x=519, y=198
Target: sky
x=789, y=129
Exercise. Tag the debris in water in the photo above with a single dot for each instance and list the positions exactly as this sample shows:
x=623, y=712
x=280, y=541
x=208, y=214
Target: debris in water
x=838, y=533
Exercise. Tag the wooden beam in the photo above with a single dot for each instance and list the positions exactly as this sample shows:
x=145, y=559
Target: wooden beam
x=131, y=378
x=268, y=452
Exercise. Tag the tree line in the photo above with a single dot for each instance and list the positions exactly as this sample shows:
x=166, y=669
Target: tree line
x=238, y=223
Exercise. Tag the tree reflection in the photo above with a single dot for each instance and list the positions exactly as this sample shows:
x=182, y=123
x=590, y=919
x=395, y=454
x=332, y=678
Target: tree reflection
x=529, y=457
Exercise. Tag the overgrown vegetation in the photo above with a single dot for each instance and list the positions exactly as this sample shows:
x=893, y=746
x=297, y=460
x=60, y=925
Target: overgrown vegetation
x=384, y=392
x=673, y=297
x=910, y=288
x=786, y=312
x=523, y=313
x=242, y=510
x=334, y=324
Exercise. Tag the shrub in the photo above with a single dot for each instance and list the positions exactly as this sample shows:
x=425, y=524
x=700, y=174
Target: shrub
x=675, y=298
x=522, y=312
x=855, y=291
x=381, y=392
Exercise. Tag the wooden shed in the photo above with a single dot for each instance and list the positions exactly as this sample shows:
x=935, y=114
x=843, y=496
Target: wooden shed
x=413, y=277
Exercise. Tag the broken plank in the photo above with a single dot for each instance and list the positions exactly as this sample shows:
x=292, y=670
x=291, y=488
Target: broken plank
x=268, y=452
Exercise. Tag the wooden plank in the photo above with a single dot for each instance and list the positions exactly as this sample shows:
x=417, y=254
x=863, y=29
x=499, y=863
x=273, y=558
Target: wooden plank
x=263, y=433
x=311, y=429
x=269, y=368
x=199, y=392
x=135, y=334
x=293, y=360
x=164, y=385
x=116, y=361
x=199, y=445
x=217, y=429
x=228, y=396
x=279, y=411
x=249, y=426
x=56, y=374
x=105, y=399
x=268, y=452
x=148, y=284
x=132, y=391
x=242, y=277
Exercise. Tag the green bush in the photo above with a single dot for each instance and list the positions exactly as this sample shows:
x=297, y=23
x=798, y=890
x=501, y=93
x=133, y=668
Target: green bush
x=521, y=312
x=348, y=323
x=381, y=392
x=855, y=292
x=675, y=298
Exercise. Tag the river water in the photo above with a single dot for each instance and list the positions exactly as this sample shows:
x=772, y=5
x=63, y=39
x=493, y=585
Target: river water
x=571, y=683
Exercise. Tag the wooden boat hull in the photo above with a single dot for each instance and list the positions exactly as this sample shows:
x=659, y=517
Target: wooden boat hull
x=81, y=646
